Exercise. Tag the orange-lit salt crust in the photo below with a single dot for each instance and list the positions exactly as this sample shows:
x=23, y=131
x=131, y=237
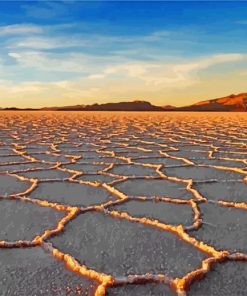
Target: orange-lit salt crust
x=59, y=132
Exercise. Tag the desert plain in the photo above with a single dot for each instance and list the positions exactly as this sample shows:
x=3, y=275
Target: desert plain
x=123, y=203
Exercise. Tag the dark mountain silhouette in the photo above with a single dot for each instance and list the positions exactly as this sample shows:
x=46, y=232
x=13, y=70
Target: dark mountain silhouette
x=121, y=106
x=17, y=109
x=231, y=103
x=228, y=103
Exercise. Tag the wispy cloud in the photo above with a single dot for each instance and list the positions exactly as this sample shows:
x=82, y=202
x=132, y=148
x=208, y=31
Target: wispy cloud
x=41, y=43
x=96, y=76
x=95, y=56
x=73, y=62
x=166, y=73
x=53, y=39
x=143, y=81
x=20, y=29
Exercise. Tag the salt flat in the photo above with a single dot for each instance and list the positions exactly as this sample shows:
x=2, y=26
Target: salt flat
x=116, y=203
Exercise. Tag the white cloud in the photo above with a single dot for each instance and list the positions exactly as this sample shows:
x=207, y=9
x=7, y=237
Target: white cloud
x=19, y=29
x=51, y=37
x=94, y=68
x=78, y=63
x=55, y=41
x=41, y=43
x=50, y=62
x=171, y=73
x=133, y=69
x=96, y=76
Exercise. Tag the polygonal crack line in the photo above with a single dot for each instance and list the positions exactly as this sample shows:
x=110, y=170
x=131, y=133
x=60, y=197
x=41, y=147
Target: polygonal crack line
x=71, y=213
x=117, y=178
x=73, y=158
x=105, y=170
x=179, y=284
x=13, y=162
x=185, y=160
x=197, y=221
x=16, y=172
x=94, y=184
x=237, y=205
x=161, y=176
x=224, y=168
x=34, y=184
x=189, y=183
x=67, y=207
x=183, y=284
x=105, y=280
x=237, y=257
x=218, y=167
x=231, y=159
x=25, y=155
x=35, y=160
x=74, y=173
x=222, y=203
x=135, y=161
x=112, y=165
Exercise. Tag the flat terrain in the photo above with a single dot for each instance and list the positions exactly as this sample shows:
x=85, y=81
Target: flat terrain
x=128, y=204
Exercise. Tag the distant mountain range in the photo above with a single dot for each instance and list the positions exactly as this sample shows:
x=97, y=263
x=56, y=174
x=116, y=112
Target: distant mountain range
x=232, y=103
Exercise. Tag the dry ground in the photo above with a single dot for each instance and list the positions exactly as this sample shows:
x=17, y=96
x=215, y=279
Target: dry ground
x=131, y=204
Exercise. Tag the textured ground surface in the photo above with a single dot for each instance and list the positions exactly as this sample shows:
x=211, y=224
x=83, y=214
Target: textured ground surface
x=123, y=204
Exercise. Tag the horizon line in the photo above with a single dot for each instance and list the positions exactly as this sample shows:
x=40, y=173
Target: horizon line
x=123, y=101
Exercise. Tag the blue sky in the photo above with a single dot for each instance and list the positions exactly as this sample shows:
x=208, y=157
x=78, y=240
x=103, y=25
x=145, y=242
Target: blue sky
x=74, y=52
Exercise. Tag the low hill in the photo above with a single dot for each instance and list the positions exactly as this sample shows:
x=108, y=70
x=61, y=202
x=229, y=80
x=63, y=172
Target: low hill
x=228, y=103
x=121, y=106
